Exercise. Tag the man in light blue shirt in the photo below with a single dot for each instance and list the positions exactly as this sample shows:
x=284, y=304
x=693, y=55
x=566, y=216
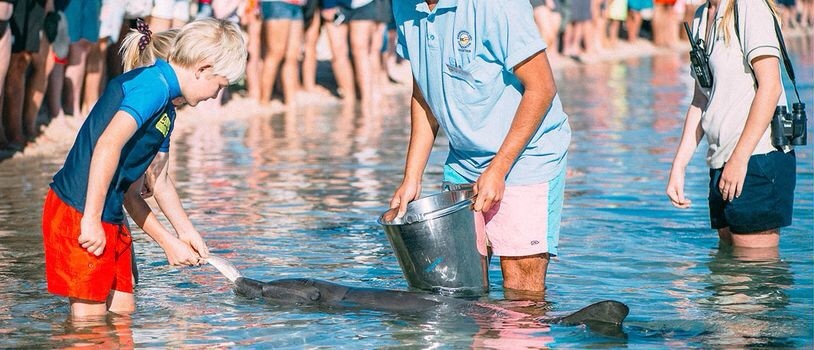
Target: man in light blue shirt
x=481, y=73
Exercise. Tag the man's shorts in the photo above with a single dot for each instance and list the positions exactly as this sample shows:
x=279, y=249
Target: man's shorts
x=278, y=10
x=72, y=271
x=525, y=222
x=26, y=23
x=171, y=9
x=83, y=20
x=767, y=198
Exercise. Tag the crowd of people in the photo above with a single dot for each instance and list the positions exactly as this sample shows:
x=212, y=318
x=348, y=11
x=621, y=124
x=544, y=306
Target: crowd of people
x=57, y=55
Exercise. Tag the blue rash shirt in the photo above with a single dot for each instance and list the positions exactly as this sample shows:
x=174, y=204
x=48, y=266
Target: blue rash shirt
x=145, y=94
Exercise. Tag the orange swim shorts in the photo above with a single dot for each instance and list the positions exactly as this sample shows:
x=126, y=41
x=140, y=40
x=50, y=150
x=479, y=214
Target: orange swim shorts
x=72, y=271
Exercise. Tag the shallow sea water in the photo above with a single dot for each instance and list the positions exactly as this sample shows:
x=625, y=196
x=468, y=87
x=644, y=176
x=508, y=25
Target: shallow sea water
x=297, y=195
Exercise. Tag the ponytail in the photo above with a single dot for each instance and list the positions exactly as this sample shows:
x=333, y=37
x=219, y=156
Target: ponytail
x=141, y=47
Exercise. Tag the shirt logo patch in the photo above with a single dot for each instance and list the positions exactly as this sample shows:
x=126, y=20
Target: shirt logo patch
x=464, y=40
x=163, y=124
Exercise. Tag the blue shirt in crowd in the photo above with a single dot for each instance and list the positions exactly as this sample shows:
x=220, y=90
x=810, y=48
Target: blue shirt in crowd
x=463, y=54
x=144, y=93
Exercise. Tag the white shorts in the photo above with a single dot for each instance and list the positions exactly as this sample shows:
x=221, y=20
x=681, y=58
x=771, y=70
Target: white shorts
x=171, y=9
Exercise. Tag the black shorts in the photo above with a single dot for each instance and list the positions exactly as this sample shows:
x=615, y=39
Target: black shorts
x=384, y=11
x=767, y=197
x=26, y=23
x=364, y=13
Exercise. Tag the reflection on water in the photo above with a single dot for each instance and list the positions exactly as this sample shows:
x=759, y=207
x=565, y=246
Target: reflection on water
x=748, y=289
x=297, y=194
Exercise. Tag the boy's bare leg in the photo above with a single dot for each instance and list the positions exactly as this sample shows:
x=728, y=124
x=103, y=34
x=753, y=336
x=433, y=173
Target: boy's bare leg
x=121, y=303
x=525, y=273
x=84, y=309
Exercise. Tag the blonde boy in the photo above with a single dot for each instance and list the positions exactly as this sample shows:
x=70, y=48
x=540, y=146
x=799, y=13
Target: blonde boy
x=87, y=245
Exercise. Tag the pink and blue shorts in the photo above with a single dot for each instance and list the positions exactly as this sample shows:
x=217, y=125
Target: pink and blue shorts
x=525, y=222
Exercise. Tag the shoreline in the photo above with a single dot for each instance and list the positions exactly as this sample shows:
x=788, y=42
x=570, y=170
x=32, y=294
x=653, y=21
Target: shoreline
x=57, y=135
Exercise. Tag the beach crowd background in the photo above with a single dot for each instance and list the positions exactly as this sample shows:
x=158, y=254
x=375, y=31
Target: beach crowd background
x=56, y=55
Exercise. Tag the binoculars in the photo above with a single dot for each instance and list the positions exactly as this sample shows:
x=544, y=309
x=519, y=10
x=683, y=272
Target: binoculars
x=789, y=129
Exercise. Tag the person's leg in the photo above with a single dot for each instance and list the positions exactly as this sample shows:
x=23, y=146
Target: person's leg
x=290, y=73
x=161, y=15
x=75, y=76
x=254, y=27
x=5, y=59
x=633, y=24
x=360, y=31
x=94, y=75
x=525, y=273
x=121, y=303
x=180, y=13
x=56, y=81
x=276, y=41
x=376, y=43
x=42, y=64
x=309, y=59
x=340, y=62
x=83, y=309
x=14, y=95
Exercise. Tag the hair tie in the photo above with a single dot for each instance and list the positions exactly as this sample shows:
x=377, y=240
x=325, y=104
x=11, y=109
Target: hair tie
x=142, y=28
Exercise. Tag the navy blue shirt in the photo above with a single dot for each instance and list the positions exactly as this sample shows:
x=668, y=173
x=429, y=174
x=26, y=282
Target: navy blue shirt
x=146, y=94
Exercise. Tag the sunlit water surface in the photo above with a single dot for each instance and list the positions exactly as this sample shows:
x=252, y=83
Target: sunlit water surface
x=297, y=195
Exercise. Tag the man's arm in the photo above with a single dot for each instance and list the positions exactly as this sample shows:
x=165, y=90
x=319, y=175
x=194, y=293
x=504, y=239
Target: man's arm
x=539, y=90
x=423, y=130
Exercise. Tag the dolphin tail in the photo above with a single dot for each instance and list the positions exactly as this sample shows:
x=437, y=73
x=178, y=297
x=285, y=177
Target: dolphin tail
x=608, y=312
x=225, y=267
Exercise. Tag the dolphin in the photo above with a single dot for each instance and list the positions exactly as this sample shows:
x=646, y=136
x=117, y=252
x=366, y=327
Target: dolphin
x=307, y=292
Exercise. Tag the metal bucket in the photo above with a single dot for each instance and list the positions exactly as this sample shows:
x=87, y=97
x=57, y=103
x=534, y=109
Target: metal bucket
x=435, y=245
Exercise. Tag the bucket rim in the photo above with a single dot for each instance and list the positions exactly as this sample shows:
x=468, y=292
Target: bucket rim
x=419, y=218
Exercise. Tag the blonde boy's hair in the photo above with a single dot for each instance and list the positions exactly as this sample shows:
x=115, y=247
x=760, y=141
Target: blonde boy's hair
x=211, y=41
x=159, y=46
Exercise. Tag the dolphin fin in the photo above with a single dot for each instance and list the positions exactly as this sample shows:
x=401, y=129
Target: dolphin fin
x=608, y=312
x=224, y=267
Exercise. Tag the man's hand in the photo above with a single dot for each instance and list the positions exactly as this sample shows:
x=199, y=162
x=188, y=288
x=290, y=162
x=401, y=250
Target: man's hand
x=407, y=192
x=489, y=189
x=92, y=236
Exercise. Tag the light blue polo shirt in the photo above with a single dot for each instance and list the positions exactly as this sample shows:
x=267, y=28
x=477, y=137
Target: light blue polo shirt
x=462, y=55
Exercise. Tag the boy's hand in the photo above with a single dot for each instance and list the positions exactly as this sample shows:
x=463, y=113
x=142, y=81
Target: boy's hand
x=92, y=236
x=488, y=189
x=179, y=253
x=196, y=242
x=407, y=192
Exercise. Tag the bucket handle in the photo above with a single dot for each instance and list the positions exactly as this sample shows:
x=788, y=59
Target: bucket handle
x=413, y=218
